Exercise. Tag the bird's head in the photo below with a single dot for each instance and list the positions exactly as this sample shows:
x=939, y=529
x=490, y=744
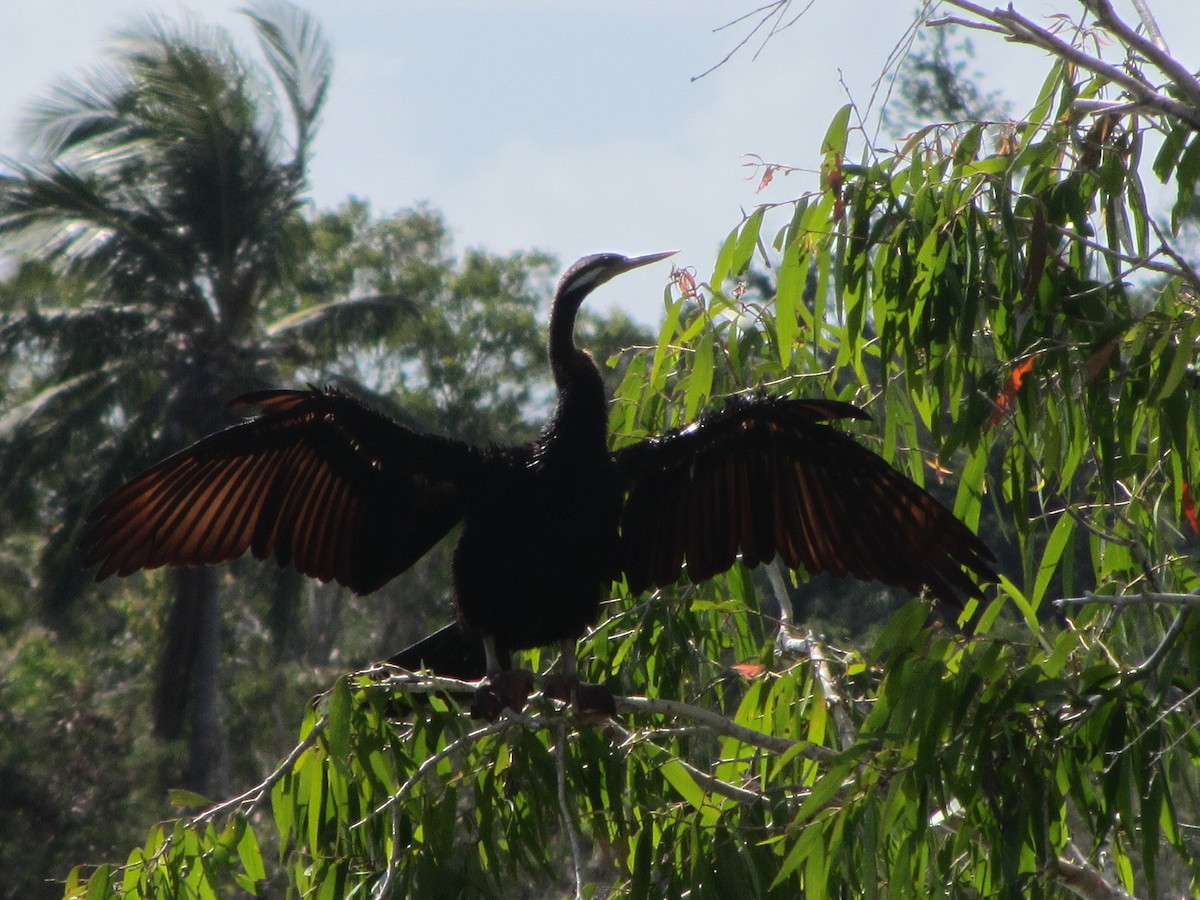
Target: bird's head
x=592, y=271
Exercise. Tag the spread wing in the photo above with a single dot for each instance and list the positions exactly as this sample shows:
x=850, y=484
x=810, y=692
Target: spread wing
x=763, y=477
x=318, y=481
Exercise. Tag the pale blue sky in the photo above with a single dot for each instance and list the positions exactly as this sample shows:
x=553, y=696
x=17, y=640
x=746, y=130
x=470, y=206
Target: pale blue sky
x=570, y=127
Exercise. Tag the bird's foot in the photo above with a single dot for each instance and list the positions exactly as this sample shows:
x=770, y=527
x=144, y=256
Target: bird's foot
x=500, y=691
x=595, y=698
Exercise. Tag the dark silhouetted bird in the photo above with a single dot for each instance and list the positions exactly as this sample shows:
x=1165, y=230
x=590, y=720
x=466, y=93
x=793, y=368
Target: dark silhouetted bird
x=323, y=483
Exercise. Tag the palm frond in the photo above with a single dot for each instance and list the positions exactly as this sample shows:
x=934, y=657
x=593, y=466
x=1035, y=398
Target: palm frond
x=300, y=57
x=21, y=415
x=79, y=114
x=345, y=313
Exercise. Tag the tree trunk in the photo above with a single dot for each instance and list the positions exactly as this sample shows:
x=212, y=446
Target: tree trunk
x=188, y=688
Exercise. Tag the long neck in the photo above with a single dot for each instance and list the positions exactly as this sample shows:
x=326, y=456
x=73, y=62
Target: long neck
x=582, y=410
x=567, y=361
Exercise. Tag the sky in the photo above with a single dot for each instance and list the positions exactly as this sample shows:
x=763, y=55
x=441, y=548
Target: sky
x=566, y=127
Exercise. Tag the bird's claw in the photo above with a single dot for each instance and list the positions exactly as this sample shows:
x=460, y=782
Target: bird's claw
x=504, y=690
x=587, y=697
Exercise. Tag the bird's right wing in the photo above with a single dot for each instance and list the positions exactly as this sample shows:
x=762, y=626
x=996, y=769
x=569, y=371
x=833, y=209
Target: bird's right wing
x=318, y=481
x=766, y=476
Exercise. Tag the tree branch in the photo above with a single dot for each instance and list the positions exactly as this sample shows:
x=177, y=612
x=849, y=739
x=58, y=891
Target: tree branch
x=1025, y=31
x=706, y=780
x=252, y=797
x=1082, y=878
x=1145, y=598
x=721, y=725
x=1155, y=54
x=560, y=767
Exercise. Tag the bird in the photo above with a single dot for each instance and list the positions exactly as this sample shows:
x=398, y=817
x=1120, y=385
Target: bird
x=324, y=483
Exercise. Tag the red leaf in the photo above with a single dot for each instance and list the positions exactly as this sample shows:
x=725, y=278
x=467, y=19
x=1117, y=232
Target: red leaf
x=1189, y=508
x=768, y=174
x=1008, y=393
x=1098, y=361
x=685, y=280
x=748, y=670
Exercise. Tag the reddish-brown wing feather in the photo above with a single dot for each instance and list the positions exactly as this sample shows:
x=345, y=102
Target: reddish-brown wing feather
x=318, y=481
x=763, y=477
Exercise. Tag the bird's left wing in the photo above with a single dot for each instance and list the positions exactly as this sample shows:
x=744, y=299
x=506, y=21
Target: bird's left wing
x=765, y=476
x=318, y=481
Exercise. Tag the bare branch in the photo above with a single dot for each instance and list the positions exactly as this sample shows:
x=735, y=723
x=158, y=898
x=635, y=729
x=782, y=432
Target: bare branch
x=564, y=807
x=1025, y=31
x=707, y=781
x=834, y=698
x=1151, y=25
x=1085, y=880
x=721, y=725
x=1145, y=598
x=1171, y=67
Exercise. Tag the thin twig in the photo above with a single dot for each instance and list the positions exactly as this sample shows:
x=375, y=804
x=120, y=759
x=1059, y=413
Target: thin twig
x=720, y=725
x=834, y=700
x=1192, y=275
x=1145, y=598
x=560, y=760
x=1181, y=270
x=255, y=795
x=708, y=782
x=384, y=888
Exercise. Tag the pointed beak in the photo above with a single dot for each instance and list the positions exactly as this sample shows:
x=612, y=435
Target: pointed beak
x=634, y=262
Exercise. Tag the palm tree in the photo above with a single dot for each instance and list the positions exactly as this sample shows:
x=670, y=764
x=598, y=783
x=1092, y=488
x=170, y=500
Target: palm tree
x=164, y=194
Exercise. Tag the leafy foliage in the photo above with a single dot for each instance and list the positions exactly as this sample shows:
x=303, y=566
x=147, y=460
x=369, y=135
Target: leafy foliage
x=986, y=295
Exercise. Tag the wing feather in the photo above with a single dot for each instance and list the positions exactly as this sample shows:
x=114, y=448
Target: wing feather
x=318, y=481
x=766, y=476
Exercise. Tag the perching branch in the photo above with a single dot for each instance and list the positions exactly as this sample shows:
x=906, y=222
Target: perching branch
x=407, y=682
x=835, y=700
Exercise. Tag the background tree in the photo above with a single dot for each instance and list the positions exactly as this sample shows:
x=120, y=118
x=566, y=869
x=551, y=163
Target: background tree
x=103, y=372
x=169, y=185
x=1024, y=304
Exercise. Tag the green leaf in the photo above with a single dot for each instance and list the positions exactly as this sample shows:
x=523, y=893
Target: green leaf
x=338, y=730
x=1059, y=539
x=187, y=799
x=747, y=241
x=100, y=884
x=1182, y=355
x=700, y=381
x=681, y=779
x=835, y=135
x=248, y=853
x=724, y=264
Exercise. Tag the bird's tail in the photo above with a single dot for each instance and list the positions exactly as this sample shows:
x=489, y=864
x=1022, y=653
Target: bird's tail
x=449, y=652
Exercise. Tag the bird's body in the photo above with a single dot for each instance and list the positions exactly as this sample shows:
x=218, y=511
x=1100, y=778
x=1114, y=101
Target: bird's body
x=323, y=483
x=539, y=544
